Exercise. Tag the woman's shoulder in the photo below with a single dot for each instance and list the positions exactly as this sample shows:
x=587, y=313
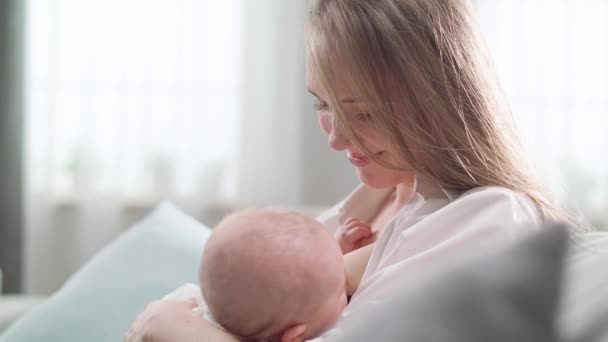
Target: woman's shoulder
x=493, y=191
x=487, y=201
x=497, y=202
x=484, y=211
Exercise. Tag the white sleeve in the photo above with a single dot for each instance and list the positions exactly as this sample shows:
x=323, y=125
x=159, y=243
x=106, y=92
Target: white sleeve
x=425, y=234
x=191, y=291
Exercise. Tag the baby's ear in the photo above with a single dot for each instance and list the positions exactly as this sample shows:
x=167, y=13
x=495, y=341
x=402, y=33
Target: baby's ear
x=294, y=333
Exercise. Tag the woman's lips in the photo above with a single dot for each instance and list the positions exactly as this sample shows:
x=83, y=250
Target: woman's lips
x=360, y=160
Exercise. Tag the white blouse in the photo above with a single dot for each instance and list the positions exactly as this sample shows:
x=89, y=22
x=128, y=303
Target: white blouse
x=433, y=226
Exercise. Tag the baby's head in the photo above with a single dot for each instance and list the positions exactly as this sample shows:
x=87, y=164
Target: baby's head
x=269, y=274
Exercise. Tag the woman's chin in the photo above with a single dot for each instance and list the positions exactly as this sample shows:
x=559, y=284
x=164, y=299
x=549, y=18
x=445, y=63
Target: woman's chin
x=374, y=180
x=378, y=177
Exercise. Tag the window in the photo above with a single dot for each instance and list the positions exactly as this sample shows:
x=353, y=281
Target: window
x=132, y=98
x=552, y=58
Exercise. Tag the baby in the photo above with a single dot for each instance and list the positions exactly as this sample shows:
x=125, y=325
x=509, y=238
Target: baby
x=274, y=275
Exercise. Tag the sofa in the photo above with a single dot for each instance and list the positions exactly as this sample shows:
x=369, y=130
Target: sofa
x=545, y=288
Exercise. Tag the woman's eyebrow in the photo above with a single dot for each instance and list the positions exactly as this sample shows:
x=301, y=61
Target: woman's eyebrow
x=350, y=100
x=313, y=93
x=344, y=100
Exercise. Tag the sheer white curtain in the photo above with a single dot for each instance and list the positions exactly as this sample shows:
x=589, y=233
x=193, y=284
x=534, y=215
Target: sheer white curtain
x=552, y=58
x=129, y=102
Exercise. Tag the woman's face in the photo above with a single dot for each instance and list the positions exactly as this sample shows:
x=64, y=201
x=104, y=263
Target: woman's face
x=369, y=172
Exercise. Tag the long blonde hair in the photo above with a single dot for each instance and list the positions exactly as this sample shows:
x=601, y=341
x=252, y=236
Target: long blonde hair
x=421, y=67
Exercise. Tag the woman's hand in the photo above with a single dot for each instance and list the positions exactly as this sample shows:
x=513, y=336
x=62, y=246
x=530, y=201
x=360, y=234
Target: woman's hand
x=353, y=235
x=173, y=321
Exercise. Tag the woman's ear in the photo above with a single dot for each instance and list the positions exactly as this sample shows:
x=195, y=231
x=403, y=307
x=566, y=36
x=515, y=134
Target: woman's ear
x=294, y=333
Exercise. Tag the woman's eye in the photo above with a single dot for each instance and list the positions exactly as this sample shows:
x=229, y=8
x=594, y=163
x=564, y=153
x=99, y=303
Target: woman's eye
x=321, y=106
x=363, y=116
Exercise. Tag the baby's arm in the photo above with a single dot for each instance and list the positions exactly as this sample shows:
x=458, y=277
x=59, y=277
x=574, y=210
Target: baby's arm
x=354, y=238
x=354, y=265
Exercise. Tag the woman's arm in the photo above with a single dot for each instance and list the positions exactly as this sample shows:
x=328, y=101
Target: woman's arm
x=174, y=321
x=355, y=263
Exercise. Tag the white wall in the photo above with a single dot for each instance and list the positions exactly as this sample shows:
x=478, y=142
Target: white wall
x=284, y=156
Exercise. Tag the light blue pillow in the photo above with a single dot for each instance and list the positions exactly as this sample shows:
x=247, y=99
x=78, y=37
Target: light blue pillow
x=99, y=302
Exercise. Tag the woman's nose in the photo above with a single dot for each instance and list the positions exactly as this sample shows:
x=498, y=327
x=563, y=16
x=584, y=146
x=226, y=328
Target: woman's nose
x=337, y=140
x=335, y=136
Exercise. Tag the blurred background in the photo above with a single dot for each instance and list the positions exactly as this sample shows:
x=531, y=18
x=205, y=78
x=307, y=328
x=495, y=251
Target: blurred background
x=108, y=107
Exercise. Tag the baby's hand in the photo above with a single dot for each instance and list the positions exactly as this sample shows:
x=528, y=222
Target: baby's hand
x=352, y=234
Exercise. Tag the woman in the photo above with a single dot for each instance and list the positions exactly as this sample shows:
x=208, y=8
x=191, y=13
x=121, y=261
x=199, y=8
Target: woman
x=403, y=87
